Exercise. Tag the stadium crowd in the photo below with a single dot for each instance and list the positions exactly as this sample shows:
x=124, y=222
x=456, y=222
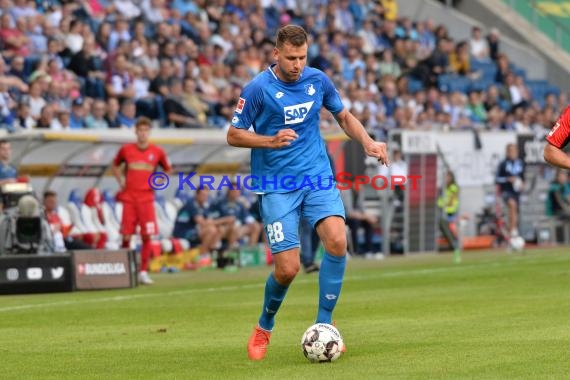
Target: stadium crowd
x=101, y=63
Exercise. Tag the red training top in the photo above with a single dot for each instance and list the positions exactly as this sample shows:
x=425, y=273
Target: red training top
x=140, y=164
x=560, y=133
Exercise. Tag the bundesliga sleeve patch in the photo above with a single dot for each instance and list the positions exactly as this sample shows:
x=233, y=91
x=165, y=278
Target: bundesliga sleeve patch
x=240, y=105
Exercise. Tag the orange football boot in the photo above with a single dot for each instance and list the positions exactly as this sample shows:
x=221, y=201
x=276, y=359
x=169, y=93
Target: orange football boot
x=258, y=342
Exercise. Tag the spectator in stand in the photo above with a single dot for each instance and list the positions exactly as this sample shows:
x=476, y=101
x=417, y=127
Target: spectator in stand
x=478, y=46
x=35, y=99
x=161, y=83
x=96, y=119
x=15, y=42
x=87, y=65
x=127, y=116
x=176, y=112
x=503, y=68
x=23, y=119
x=387, y=66
x=46, y=118
x=390, y=8
x=62, y=121
x=493, y=42
x=476, y=108
x=119, y=82
x=459, y=62
x=112, y=115
x=77, y=117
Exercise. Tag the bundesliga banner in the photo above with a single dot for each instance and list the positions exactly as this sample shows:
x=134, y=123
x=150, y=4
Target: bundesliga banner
x=102, y=269
x=22, y=274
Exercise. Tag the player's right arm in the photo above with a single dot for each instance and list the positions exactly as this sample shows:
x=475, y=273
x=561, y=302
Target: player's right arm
x=116, y=168
x=557, y=139
x=248, y=108
x=245, y=139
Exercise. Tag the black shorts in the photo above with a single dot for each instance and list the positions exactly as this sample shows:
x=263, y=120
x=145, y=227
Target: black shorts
x=506, y=195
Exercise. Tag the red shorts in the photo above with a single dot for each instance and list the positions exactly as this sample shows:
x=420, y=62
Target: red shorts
x=139, y=214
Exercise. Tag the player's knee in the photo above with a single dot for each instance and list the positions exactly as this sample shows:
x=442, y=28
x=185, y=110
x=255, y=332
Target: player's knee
x=286, y=274
x=336, y=245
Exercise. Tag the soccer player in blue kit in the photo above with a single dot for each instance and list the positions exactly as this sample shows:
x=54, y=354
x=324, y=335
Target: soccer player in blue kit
x=288, y=164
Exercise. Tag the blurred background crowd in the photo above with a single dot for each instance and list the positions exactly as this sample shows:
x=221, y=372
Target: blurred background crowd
x=101, y=63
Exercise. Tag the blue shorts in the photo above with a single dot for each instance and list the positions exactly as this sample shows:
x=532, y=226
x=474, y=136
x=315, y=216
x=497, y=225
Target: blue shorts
x=281, y=213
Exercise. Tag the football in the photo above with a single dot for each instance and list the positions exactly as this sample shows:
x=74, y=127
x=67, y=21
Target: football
x=322, y=343
x=517, y=243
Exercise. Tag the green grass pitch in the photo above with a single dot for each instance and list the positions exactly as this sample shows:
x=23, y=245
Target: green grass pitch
x=493, y=316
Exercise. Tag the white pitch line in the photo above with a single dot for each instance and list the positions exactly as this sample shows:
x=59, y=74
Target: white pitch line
x=527, y=259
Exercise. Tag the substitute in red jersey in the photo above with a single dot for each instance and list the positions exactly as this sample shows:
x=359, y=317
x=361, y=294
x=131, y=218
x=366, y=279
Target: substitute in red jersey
x=140, y=160
x=558, y=138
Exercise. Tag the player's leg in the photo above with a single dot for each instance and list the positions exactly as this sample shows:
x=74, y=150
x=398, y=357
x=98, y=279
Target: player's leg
x=128, y=223
x=148, y=228
x=324, y=209
x=281, y=220
x=333, y=234
x=513, y=216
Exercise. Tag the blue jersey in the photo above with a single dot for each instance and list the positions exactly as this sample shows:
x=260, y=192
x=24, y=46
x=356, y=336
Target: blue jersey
x=227, y=208
x=268, y=105
x=7, y=172
x=186, y=218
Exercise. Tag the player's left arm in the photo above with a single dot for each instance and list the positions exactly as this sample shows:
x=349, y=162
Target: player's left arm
x=355, y=130
x=165, y=163
x=556, y=156
x=350, y=124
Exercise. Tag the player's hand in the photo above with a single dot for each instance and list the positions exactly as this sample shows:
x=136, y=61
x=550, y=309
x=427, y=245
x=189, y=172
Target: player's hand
x=379, y=151
x=284, y=138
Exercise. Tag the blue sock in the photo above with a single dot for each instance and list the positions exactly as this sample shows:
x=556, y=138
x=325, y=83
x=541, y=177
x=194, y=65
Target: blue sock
x=274, y=295
x=330, y=282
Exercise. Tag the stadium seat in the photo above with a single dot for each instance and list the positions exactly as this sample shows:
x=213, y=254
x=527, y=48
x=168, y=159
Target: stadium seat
x=488, y=70
x=414, y=85
x=81, y=216
x=517, y=71
x=165, y=218
x=109, y=213
x=453, y=83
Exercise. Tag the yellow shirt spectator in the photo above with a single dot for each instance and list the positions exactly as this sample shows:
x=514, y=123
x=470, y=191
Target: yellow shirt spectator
x=390, y=9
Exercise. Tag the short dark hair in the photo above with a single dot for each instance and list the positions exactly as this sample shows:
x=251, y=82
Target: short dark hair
x=293, y=34
x=3, y=141
x=49, y=193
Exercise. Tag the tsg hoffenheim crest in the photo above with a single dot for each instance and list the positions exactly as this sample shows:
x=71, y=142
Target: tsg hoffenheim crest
x=309, y=89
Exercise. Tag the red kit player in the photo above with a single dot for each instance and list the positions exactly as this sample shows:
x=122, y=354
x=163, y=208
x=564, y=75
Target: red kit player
x=140, y=161
x=558, y=138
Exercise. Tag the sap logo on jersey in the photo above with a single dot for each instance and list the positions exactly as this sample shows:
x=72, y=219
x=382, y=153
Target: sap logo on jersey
x=297, y=113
